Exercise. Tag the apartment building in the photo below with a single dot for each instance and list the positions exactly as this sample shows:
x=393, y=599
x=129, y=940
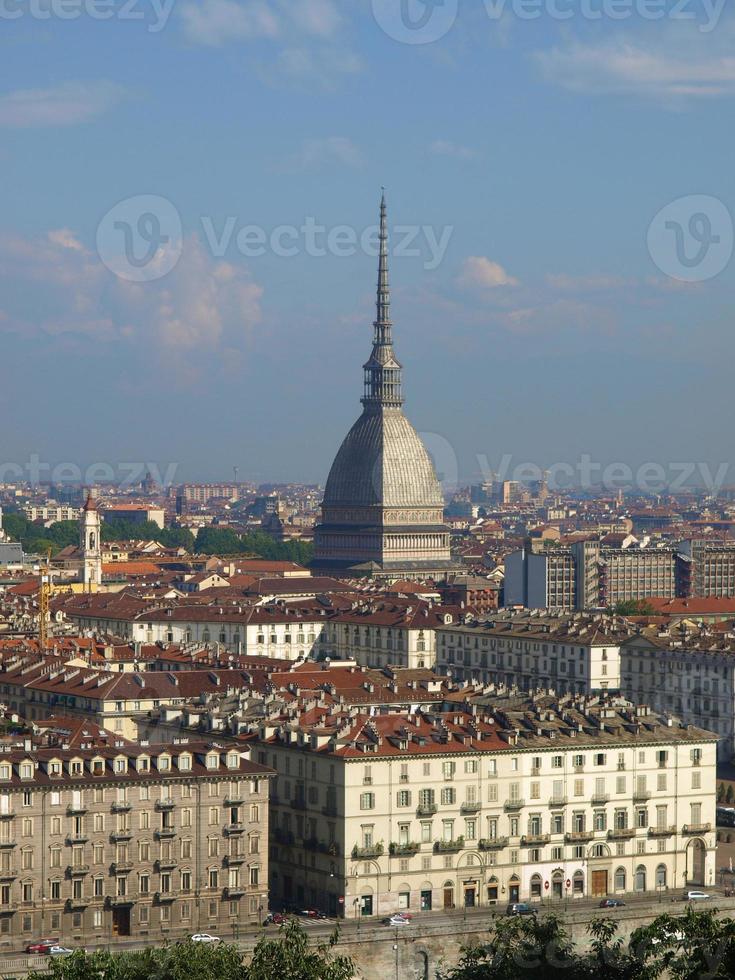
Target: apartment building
x=487, y=801
x=105, y=839
x=377, y=631
x=573, y=654
x=713, y=567
x=688, y=671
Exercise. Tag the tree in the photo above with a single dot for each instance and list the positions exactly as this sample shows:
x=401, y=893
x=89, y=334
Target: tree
x=686, y=947
x=290, y=956
x=633, y=607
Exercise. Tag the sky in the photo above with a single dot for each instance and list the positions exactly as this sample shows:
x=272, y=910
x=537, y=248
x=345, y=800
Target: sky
x=188, y=204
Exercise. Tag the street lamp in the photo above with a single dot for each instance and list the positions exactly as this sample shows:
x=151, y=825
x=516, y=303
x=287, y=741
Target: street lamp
x=395, y=949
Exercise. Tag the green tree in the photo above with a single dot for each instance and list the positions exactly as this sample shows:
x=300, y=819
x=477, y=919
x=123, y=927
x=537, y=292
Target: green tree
x=290, y=956
x=633, y=607
x=686, y=947
x=729, y=793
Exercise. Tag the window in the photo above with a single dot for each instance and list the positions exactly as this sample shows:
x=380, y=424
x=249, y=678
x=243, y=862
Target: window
x=620, y=880
x=367, y=801
x=403, y=797
x=448, y=795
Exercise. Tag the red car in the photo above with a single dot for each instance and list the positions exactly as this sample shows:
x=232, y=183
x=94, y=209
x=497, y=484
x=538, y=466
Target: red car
x=41, y=946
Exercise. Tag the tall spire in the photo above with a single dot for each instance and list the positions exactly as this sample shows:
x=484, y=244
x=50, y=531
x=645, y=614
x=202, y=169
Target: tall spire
x=382, y=321
x=383, y=370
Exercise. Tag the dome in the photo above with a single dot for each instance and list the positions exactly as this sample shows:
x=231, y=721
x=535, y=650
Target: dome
x=382, y=462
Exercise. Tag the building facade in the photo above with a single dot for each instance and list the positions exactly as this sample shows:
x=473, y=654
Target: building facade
x=105, y=841
x=514, y=800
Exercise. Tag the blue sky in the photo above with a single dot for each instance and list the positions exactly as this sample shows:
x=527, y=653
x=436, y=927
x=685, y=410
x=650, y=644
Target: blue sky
x=542, y=149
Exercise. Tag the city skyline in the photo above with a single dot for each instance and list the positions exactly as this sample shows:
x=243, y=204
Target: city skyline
x=539, y=291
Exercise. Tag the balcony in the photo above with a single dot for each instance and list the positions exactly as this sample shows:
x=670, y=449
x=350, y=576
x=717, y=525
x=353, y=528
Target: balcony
x=511, y=805
x=234, y=828
x=558, y=801
x=299, y=803
x=403, y=850
x=75, y=870
x=119, y=901
x=364, y=853
x=598, y=798
x=470, y=807
x=80, y=902
x=76, y=810
x=6, y=815
x=7, y=874
x=165, y=832
x=492, y=843
x=284, y=837
x=80, y=838
x=426, y=809
x=330, y=810
x=121, y=806
x=535, y=840
x=6, y=842
x=234, y=860
x=235, y=891
x=121, y=867
x=578, y=836
x=121, y=835
x=161, y=898
x=234, y=801
x=449, y=846
x=621, y=833
x=662, y=831
x=641, y=796
x=164, y=806
x=164, y=864
x=689, y=829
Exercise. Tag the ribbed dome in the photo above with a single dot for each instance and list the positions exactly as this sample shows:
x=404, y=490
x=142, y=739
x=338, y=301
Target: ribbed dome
x=383, y=462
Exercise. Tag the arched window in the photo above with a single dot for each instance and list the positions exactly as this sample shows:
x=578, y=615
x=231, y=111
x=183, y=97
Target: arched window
x=640, y=878
x=598, y=851
x=661, y=876
x=620, y=880
x=536, y=886
x=578, y=883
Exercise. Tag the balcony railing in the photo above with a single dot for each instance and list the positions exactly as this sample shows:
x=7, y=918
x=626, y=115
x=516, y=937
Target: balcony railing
x=696, y=828
x=492, y=843
x=298, y=803
x=80, y=902
x=233, y=860
x=330, y=810
x=235, y=891
x=370, y=851
x=621, y=833
x=641, y=795
x=535, y=840
x=162, y=897
x=7, y=873
x=80, y=838
x=403, y=850
x=558, y=801
x=121, y=867
x=662, y=831
x=578, y=836
x=426, y=809
x=449, y=846
x=234, y=828
x=6, y=814
x=6, y=842
x=514, y=804
x=164, y=805
x=234, y=801
x=166, y=863
x=166, y=832
x=75, y=809
x=600, y=798
x=473, y=807
x=284, y=837
x=77, y=869
x=121, y=806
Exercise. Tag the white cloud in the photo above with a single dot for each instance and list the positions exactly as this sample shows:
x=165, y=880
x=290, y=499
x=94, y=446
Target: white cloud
x=666, y=69
x=330, y=150
x=480, y=272
x=202, y=305
x=67, y=104
x=317, y=17
x=446, y=148
x=215, y=22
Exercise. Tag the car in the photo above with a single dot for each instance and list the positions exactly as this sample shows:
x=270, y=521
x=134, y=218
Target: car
x=396, y=920
x=57, y=950
x=313, y=914
x=697, y=896
x=277, y=918
x=41, y=945
x=520, y=908
x=611, y=903
x=204, y=937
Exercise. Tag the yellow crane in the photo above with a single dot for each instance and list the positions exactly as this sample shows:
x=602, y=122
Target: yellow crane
x=45, y=591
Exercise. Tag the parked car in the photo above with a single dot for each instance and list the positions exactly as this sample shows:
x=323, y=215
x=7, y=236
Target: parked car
x=205, y=937
x=395, y=920
x=57, y=950
x=611, y=903
x=697, y=896
x=41, y=945
x=313, y=914
x=520, y=908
